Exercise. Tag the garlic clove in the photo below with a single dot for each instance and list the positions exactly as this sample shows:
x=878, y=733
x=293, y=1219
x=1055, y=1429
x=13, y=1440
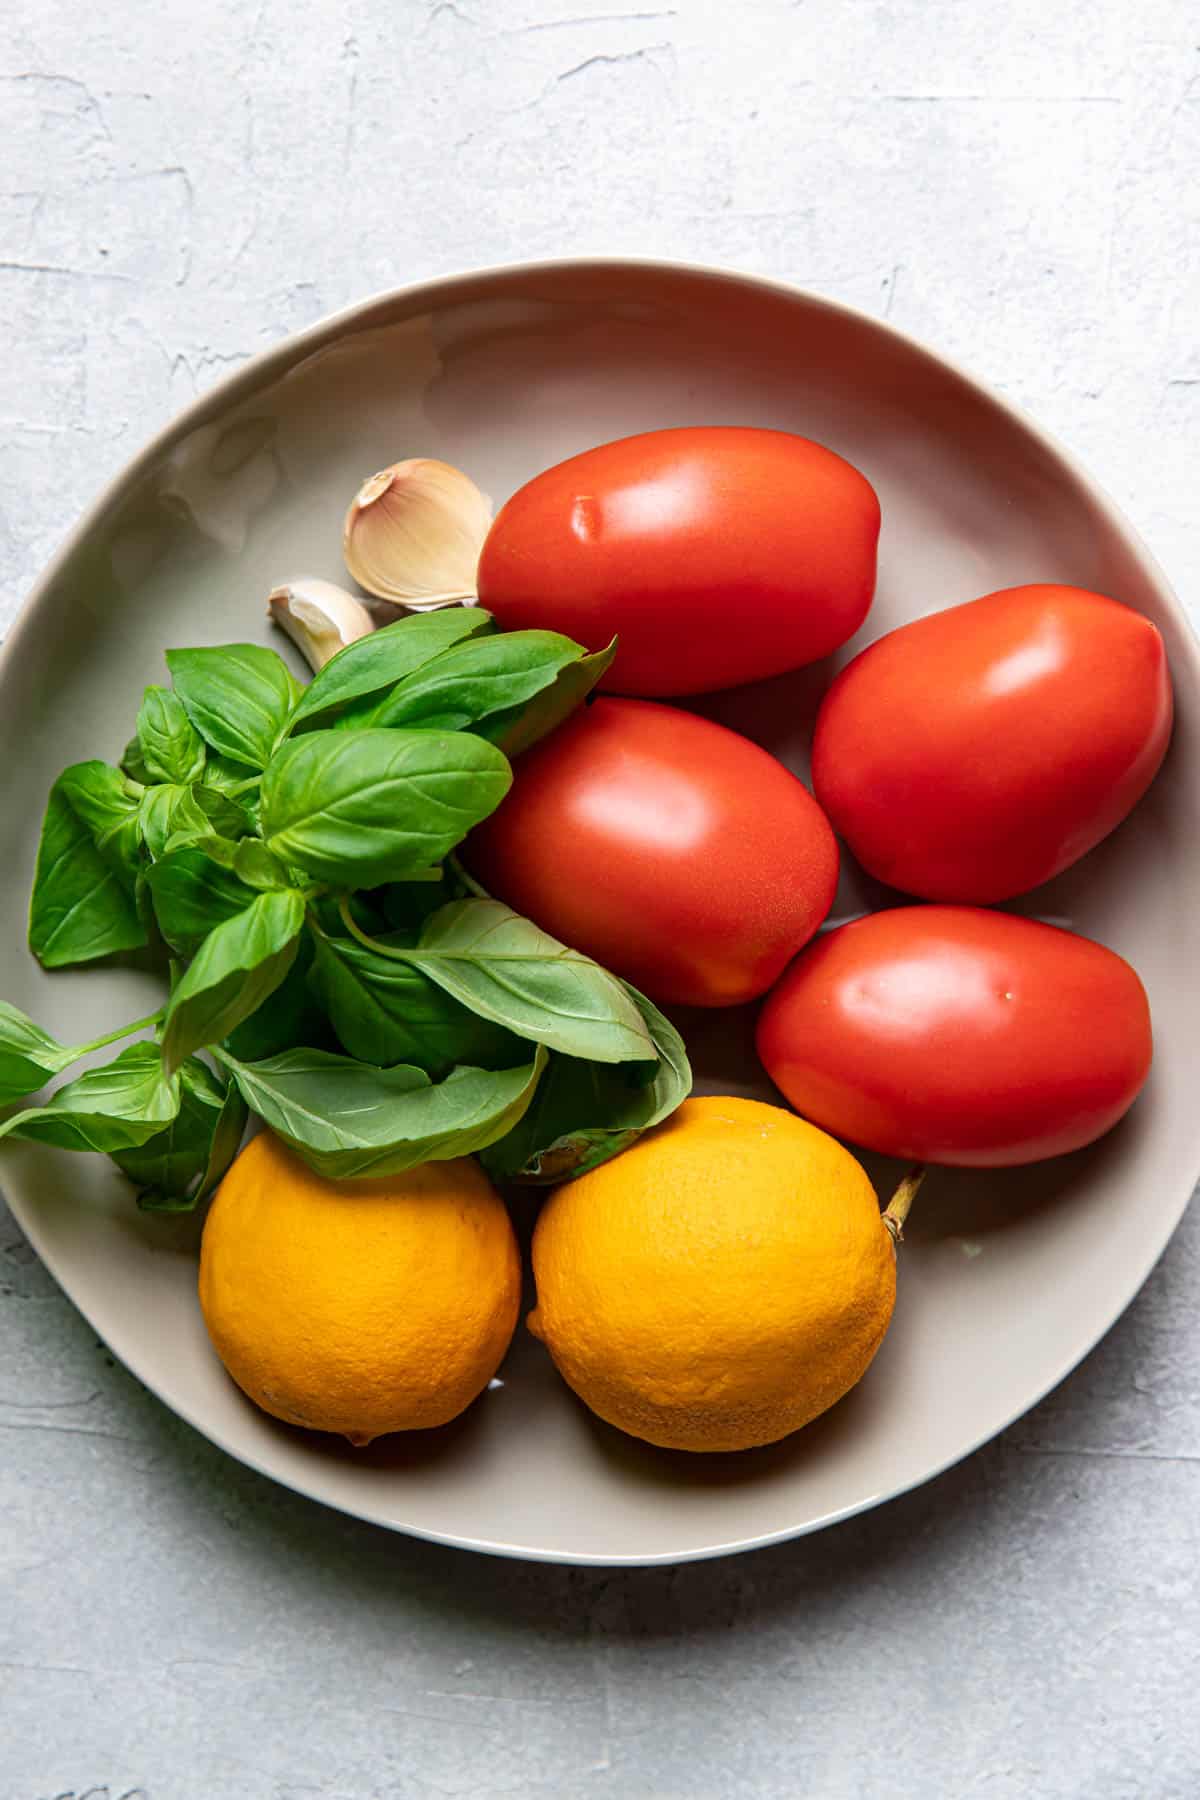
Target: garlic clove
x=320, y=617
x=414, y=532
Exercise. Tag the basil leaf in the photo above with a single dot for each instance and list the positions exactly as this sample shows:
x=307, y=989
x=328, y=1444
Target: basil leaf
x=223, y=782
x=170, y=816
x=108, y=805
x=192, y=893
x=83, y=904
x=239, y=697
x=177, y=1167
x=172, y=748
x=144, y=907
x=114, y=1108
x=348, y=1119
x=235, y=968
x=522, y=726
x=225, y=776
x=29, y=1056
x=375, y=663
x=133, y=763
x=226, y=1141
x=292, y=1015
x=388, y=1012
x=509, y=970
x=360, y=808
x=327, y=910
x=226, y=816
x=256, y=866
x=473, y=680
x=584, y=1112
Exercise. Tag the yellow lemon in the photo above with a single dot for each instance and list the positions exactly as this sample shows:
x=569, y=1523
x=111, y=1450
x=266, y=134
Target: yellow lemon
x=718, y=1285
x=359, y=1307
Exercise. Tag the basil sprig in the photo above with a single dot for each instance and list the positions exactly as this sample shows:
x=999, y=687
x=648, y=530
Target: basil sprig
x=282, y=852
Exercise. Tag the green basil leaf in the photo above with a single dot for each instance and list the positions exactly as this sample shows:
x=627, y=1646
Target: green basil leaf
x=229, y=802
x=327, y=908
x=225, y=776
x=347, y=1119
x=108, y=804
x=239, y=697
x=192, y=893
x=226, y=1141
x=292, y=1015
x=373, y=664
x=360, y=808
x=144, y=906
x=172, y=748
x=388, y=1012
x=178, y=1166
x=584, y=1113
x=221, y=850
x=133, y=763
x=83, y=904
x=170, y=817
x=236, y=967
x=226, y=816
x=114, y=1108
x=475, y=679
x=256, y=866
x=29, y=1056
x=522, y=726
x=511, y=971
x=105, y=799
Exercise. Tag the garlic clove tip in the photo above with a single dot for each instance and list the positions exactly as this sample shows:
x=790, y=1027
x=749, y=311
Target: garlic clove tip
x=319, y=617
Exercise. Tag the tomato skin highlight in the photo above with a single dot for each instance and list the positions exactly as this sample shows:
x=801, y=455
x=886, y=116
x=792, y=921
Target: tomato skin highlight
x=951, y=1034
x=671, y=849
x=718, y=555
x=974, y=754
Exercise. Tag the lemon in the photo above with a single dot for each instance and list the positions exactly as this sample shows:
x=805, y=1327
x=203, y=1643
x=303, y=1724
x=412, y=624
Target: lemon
x=718, y=1285
x=358, y=1307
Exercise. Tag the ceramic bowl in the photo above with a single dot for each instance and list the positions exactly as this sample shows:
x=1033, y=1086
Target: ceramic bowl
x=1007, y=1279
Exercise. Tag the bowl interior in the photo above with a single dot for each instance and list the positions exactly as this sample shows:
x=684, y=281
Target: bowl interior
x=1007, y=1278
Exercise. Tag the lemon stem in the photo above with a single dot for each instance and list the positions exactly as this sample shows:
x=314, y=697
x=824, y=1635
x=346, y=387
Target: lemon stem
x=901, y=1200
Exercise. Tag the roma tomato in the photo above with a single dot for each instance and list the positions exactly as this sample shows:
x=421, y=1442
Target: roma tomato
x=949, y=1034
x=717, y=554
x=980, y=751
x=670, y=849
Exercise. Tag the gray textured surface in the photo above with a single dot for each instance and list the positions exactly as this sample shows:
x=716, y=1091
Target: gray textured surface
x=1021, y=186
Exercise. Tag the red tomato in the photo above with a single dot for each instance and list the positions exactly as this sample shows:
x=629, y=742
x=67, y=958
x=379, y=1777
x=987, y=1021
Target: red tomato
x=954, y=1035
x=978, y=752
x=670, y=849
x=717, y=554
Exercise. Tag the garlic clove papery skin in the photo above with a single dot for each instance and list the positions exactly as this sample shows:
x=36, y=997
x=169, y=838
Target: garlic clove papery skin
x=414, y=532
x=319, y=617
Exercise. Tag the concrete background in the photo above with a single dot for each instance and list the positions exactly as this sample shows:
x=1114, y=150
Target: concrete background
x=181, y=184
